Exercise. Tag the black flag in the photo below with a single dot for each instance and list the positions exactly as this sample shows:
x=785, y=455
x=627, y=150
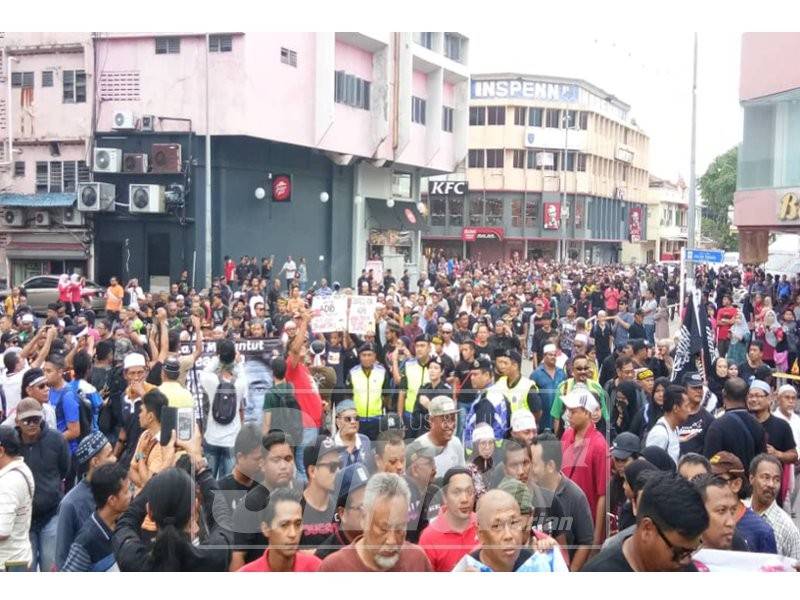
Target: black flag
x=696, y=350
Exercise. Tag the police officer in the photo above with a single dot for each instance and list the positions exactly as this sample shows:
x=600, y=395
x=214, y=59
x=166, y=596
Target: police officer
x=414, y=375
x=520, y=391
x=366, y=382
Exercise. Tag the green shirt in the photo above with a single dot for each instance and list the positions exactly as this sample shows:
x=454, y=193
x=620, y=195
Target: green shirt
x=567, y=386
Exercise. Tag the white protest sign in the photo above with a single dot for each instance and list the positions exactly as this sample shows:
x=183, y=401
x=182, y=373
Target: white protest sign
x=376, y=266
x=329, y=314
x=362, y=314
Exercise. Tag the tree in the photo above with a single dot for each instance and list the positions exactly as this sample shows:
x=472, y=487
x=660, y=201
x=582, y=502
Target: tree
x=716, y=187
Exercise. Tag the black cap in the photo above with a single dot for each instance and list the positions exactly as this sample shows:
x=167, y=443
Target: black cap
x=625, y=444
x=172, y=366
x=512, y=354
x=348, y=480
x=482, y=363
x=423, y=337
x=390, y=421
x=366, y=347
x=8, y=336
x=322, y=445
x=10, y=441
x=692, y=380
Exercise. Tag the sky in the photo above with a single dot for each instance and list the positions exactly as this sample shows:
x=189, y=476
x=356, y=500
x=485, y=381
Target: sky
x=651, y=72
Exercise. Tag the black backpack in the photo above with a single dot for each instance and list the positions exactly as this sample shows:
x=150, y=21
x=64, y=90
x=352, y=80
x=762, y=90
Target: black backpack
x=223, y=407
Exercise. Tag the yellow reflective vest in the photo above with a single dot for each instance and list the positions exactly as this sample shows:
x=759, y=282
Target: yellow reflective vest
x=518, y=395
x=368, y=390
x=416, y=376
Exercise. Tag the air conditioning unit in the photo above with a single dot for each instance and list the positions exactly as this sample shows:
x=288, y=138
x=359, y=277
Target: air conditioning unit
x=72, y=216
x=134, y=163
x=41, y=218
x=14, y=217
x=148, y=123
x=165, y=158
x=107, y=160
x=124, y=119
x=146, y=198
x=96, y=197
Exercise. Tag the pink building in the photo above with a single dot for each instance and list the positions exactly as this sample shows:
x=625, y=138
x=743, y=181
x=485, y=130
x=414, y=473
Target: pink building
x=767, y=194
x=359, y=116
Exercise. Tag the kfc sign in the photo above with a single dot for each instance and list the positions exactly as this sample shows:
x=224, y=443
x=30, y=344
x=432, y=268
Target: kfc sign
x=446, y=188
x=282, y=188
x=552, y=215
x=472, y=234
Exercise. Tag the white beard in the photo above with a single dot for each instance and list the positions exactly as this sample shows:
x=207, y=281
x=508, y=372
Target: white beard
x=387, y=562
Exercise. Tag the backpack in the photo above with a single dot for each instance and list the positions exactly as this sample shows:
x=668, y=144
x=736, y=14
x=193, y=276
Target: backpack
x=84, y=410
x=224, y=405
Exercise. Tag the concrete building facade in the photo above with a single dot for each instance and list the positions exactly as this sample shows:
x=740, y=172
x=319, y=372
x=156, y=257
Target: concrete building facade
x=522, y=127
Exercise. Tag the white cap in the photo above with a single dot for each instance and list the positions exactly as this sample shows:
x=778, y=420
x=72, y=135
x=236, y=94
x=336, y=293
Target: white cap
x=760, y=385
x=134, y=359
x=787, y=388
x=581, y=397
x=27, y=318
x=522, y=420
x=483, y=433
x=549, y=348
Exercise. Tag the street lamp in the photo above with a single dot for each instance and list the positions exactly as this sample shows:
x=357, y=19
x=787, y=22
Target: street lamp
x=563, y=243
x=324, y=197
x=261, y=193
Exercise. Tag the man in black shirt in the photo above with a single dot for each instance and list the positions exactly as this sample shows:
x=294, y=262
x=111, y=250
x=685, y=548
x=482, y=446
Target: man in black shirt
x=777, y=432
x=636, y=330
x=670, y=519
x=737, y=431
x=248, y=450
x=322, y=460
x=753, y=361
x=693, y=431
x=349, y=489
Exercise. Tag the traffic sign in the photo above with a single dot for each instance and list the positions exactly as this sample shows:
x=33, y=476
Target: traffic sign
x=707, y=256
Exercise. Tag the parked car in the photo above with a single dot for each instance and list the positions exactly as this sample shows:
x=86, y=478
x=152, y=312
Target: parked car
x=43, y=290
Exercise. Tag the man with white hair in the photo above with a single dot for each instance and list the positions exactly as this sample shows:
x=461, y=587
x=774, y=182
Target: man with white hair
x=383, y=545
x=787, y=403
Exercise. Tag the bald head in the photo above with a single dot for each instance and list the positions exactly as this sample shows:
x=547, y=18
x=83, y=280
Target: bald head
x=493, y=502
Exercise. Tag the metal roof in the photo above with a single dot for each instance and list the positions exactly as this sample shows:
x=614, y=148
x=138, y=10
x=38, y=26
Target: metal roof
x=45, y=200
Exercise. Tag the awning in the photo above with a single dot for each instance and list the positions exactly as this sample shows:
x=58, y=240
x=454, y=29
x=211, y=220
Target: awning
x=48, y=200
x=403, y=216
x=46, y=250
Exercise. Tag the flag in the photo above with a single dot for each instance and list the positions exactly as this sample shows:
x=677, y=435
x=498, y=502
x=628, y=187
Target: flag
x=695, y=340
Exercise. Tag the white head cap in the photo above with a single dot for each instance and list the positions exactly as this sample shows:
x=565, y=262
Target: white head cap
x=787, y=388
x=483, y=433
x=522, y=420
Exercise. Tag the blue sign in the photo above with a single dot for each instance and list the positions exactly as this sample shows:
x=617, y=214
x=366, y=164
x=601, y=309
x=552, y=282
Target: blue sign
x=523, y=89
x=707, y=256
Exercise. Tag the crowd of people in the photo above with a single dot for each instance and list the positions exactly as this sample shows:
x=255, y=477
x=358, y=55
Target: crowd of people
x=508, y=416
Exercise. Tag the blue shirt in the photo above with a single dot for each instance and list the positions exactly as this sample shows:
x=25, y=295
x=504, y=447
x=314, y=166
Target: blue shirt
x=91, y=550
x=65, y=403
x=757, y=533
x=76, y=507
x=547, y=392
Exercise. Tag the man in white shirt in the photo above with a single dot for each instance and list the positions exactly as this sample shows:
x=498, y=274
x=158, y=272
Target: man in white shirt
x=649, y=306
x=664, y=433
x=290, y=268
x=449, y=346
x=443, y=414
x=16, y=502
x=787, y=402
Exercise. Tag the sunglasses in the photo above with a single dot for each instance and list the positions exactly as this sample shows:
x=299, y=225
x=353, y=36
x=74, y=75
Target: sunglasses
x=331, y=466
x=30, y=421
x=349, y=419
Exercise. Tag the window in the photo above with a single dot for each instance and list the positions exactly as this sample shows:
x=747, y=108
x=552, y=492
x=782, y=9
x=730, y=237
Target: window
x=476, y=159
x=519, y=159
x=84, y=175
x=531, y=210
x=168, y=45
x=351, y=90
x=553, y=117
x=47, y=79
x=447, y=119
x=477, y=115
x=519, y=115
x=22, y=79
x=289, y=57
x=220, y=43
x=401, y=185
x=494, y=159
x=74, y=85
x=19, y=168
x=571, y=118
x=581, y=162
x=571, y=160
x=455, y=208
x=55, y=176
x=494, y=212
x=70, y=176
x=516, y=213
x=418, y=106
x=42, y=180
x=425, y=38
x=453, y=46
x=476, y=210
x=496, y=115
x=438, y=210
x=583, y=120
x=535, y=117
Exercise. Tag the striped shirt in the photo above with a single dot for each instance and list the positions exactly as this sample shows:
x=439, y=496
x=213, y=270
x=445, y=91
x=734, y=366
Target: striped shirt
x=786, y=534
x=91, y=550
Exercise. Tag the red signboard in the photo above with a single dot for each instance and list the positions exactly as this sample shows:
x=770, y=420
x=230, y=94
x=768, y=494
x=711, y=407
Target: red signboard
x=282, y=188
x=472, y=234
x=552, y=215
x=635, y=224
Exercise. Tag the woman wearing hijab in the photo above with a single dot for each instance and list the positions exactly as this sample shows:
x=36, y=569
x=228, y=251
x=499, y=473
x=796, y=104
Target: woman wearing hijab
x=662, y=319
x=625, y=407
x=719, y=375
x=740, y=338
x=770, y=333
x=652, y=411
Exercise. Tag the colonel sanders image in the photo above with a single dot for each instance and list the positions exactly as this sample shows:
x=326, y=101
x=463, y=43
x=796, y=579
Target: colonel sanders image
x=551, y=217
x=636, y=228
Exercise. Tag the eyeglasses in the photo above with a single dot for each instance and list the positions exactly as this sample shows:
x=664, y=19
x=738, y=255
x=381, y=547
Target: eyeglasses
x=679, y=553
x=30, y=421
x=331, y=466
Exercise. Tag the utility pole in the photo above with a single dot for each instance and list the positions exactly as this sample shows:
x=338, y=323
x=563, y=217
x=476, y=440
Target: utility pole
x=208, y=257
x=691, y=237
x=563, y=244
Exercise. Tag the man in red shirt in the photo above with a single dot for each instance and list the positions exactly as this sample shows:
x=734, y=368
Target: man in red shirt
x=305, y=388
x=585, y=455
x=454, y=532
x=282, y=525
x=230, y=270
x=725, y=318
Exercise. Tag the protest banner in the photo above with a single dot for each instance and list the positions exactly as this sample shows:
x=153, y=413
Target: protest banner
x=376, y=266
x=362, y=315
x=329, y=314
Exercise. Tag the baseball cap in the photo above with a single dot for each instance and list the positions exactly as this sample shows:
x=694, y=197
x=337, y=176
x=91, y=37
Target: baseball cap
x=423, y=337
x=348, y=480
x=581, y=397
x=482, y=364
x=520, y=492
x=625, y=444
x=442, y=405
x=512, y=354
x=10, y=440
x=522, y=420
x=390, y=421
x=693, y=380
x=134, y=359
x=322, y=446
x=417, y=450
x=726, y=463
x=28, y=407
x=8, y=337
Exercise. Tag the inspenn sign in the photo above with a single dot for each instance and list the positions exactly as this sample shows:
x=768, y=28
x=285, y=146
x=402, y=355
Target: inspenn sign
x=489, y=89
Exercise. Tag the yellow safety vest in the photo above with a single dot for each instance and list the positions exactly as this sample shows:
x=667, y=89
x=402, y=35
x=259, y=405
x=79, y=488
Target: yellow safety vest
x=416, y=377
x=518, y=395
x=368, y=391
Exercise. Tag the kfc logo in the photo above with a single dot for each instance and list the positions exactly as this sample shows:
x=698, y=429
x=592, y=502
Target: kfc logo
x=445, y=188
x=282, y=188
x=552, y=215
